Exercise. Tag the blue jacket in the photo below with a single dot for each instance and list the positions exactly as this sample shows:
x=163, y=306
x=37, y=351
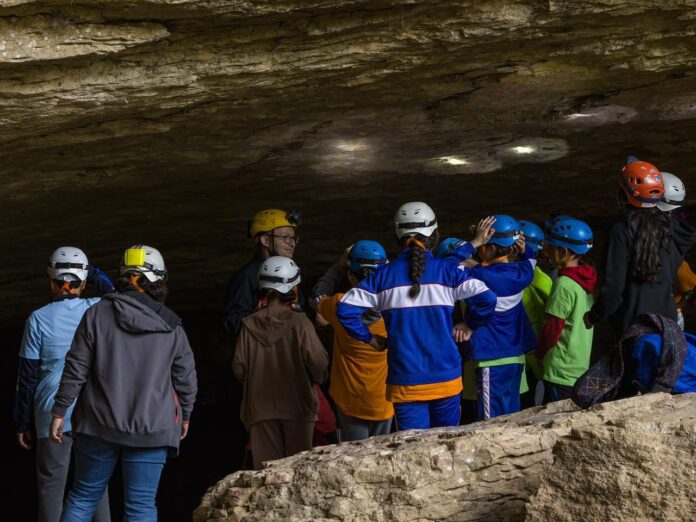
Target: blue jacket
x=509, y=332
x=420, y=343
x=646, y=359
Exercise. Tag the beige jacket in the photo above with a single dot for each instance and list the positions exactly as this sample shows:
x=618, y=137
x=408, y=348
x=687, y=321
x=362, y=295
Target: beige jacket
x=277, y=359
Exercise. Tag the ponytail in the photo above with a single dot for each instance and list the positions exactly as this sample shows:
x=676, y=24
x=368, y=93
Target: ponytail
x=419, y=244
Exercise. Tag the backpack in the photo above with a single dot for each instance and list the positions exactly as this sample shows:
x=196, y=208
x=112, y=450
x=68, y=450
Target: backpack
x=604, y=380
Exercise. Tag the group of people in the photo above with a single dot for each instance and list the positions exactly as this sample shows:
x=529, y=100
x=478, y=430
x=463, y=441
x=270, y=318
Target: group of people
x=445, y=330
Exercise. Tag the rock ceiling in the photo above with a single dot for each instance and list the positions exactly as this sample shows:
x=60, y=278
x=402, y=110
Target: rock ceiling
x=172, y=121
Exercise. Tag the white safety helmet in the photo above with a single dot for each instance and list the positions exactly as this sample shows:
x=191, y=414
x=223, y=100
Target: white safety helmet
x=675, y=192
x=68, y=264
x=144, y=260
x=415, y=218
x=280, y=274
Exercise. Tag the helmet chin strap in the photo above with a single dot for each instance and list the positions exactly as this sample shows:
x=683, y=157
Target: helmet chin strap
x=134, y=278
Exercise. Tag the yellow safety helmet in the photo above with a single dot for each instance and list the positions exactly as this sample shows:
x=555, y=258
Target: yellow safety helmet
x=272, y=218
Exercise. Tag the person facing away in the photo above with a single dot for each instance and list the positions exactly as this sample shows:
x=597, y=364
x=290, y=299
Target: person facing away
x=672, y=201
x=277, y=359
x=643, y=254
x=47, y=337
x=565, y=344
x=132, y=371
x=497, y=349
x=274, y=233
x=416, y=294
x=358, y=371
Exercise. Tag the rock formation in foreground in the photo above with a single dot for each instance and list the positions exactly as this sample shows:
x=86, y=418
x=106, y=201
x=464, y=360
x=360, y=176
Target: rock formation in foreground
x=627, y=460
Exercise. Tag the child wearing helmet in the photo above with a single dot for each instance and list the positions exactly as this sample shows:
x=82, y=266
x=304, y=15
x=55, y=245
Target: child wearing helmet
x=47, y=338
x=565, y=345
x=416, y=294
x=644, y=252
x=534, y=301
x=496, y=351
x=278, y=358
x=358, y=371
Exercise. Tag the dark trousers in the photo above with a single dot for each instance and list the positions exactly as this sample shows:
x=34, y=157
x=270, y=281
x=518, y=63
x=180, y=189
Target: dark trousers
x=354, y=428
x=276, y=439
x=52, y=464
x=556, y=392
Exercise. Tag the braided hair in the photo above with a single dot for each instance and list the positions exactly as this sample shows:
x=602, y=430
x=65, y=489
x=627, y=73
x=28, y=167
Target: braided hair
x=419, y=244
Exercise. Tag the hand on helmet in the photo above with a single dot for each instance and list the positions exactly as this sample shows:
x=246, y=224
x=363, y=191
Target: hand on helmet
x=484, y=231
x=343, y=261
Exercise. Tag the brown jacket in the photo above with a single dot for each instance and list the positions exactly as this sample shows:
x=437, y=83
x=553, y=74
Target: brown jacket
x=277, y=359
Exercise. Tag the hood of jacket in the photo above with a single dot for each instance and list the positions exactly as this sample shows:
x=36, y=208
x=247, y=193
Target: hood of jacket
x=584, y=275
x=268, y=325
x=136, y=312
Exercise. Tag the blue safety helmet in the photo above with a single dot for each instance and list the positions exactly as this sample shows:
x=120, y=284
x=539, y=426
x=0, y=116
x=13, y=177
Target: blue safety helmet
x=446, y=246
x=571, y=233
x=366, y=254
x=548, y=224
x=507, y=231
x=533, y=235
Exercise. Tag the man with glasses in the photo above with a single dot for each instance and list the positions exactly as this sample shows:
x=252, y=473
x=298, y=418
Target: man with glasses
x=275, y=234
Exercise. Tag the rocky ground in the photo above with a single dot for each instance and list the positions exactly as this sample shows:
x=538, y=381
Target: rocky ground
x=627, y=460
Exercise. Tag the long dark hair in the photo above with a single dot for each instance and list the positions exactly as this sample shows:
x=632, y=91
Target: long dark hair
x=157, y=290
x=418, y=259
x=651, y=231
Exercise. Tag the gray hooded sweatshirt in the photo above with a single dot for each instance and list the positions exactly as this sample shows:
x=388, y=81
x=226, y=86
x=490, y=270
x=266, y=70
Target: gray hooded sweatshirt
x=131, y=369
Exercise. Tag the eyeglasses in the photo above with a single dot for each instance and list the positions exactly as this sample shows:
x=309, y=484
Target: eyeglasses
x=288, y=240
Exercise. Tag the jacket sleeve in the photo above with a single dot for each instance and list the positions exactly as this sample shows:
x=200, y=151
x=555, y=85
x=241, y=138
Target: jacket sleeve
x=480, y=301
x=354, y=304
x=313, y=354
x=684, y=235
x=241, y=301
x=327, y=284
x=78, y=363
x=240, y=355
x=100, y=280
x=615, y=273
x=184, y=374
x=549, y=335
x=27, y=379
x=461, y=252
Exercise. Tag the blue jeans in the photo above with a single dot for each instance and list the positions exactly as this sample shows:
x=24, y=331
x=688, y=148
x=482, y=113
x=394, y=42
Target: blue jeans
x=422, y=415
x=95, y=460
x=556, y=392
x=353, y=428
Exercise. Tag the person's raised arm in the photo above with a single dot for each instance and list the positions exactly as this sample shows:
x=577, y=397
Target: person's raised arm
x=353, y=305
x=328, y=283
x=480, y=300
x=100, y=280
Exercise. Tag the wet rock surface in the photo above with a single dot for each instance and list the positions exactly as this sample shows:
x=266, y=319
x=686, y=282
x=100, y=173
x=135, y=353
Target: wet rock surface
x=631, y=459
x=173, y=121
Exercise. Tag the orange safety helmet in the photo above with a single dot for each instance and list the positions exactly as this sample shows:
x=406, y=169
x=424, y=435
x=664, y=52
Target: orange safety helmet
x=642, y=183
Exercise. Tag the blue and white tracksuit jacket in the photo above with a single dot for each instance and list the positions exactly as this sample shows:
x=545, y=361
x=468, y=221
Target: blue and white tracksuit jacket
x=420, y=343
x=509, y=332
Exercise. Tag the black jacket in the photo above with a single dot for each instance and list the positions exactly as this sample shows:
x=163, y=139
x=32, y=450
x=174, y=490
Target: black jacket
x=243, y=294
x=622, y=297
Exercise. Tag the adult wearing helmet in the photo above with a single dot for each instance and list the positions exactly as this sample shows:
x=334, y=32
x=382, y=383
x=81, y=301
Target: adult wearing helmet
x=278, y=358
x=274, y=233
x=132, y=372
x=47, y=337
x=673, y=199
x=358, y=371
x=416, y=294
x=644, y=252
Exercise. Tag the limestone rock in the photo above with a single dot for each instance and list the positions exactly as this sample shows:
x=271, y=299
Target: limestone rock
x=627, y=460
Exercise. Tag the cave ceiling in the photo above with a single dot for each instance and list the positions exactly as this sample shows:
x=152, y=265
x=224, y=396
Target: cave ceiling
x=171, y=122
